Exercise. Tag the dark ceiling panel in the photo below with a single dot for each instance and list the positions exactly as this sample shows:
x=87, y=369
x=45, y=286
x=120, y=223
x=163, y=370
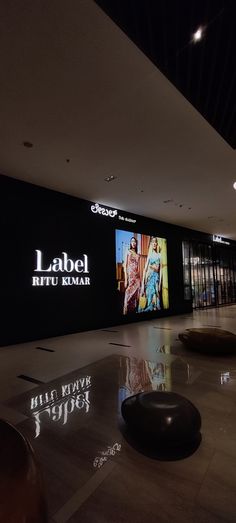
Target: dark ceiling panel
x=204, y=72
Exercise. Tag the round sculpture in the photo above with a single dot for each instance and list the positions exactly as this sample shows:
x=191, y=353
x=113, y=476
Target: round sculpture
x=21, y=495
x=209, y=341
x=161, y=418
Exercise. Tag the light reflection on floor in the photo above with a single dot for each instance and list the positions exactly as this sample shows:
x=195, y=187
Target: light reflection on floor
x=59, y=404
x=72, y=420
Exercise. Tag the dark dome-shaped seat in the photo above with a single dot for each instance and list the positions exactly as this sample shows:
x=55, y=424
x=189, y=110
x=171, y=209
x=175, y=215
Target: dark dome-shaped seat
x=161, y=418
x=21, y=493
x=209, y=341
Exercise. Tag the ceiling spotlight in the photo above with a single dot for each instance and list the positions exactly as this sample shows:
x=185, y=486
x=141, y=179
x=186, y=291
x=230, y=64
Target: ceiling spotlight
x=234, y=185
x=28, y=144
x=197, y=36
x=110, y=178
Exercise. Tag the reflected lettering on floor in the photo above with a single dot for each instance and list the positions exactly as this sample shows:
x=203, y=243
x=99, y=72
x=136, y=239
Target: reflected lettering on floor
x=58, y=404
x=111, y=451
x=224, y=378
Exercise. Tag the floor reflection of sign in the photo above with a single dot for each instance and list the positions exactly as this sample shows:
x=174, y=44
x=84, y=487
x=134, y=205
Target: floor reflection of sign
x=59, y=404
x=224, y=378
x=111, y=451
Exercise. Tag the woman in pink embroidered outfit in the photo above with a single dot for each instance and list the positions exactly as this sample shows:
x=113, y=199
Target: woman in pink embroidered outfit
x=132, y=278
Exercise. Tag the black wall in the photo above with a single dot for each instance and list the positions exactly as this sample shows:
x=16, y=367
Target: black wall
x=37, y=218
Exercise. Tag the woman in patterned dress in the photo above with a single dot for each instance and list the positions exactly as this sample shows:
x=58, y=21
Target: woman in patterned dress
x=151, y=283
x=132, y=278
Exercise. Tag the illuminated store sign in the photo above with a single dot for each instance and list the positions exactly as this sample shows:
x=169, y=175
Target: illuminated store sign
x=218, y=239
x=96, y=208
x=61, y=265
x=112, y=213
x=58, y=405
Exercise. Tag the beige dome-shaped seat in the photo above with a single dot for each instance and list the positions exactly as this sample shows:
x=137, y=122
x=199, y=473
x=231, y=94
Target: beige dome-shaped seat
x=209, y=341
x=21, y=493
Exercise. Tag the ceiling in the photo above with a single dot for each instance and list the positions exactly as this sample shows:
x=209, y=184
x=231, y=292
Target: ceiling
x=204, y=71
x=94, y=105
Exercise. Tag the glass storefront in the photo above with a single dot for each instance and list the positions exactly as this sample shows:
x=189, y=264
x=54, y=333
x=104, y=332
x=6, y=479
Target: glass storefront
x=209, y=273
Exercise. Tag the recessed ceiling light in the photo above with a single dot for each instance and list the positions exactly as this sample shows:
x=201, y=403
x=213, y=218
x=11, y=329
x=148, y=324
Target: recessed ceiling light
x=197, y=36
x=28, y=144
x=110, y=178
x=234, y=185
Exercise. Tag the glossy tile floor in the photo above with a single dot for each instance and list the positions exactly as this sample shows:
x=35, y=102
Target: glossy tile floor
x=70, y=412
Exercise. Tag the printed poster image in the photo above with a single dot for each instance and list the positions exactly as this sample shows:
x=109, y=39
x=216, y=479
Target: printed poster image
x=141, y=272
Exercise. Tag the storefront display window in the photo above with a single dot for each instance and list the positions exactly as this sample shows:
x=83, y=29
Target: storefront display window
x=209, y=273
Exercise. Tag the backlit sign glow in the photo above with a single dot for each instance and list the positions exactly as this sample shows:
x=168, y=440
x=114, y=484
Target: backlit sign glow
x=112, y=213
x=96, y=208
x=218, y=239
x=64, y=264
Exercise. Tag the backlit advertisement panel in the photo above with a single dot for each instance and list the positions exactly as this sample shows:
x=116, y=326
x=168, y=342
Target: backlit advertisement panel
x=142, y=272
